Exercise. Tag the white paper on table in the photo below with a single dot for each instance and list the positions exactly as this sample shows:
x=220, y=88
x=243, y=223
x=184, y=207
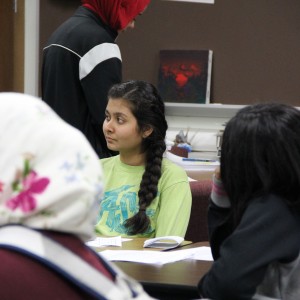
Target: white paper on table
x=155, y=257
x=203, y=253
x=107, y=241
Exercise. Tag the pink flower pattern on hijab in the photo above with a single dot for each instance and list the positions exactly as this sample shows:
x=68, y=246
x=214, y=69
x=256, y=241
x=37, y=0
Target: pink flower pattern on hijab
x=51, y=178
x=26, y=188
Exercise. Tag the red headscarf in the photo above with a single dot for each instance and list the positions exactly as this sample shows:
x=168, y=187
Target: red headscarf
x=116, y=13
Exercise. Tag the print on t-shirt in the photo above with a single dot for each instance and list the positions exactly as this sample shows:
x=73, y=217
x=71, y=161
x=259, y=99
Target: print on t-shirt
x=118, y=205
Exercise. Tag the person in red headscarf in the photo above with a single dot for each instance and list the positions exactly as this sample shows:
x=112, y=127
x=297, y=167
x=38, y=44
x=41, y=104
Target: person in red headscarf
x=81, y=61
x=118, y=14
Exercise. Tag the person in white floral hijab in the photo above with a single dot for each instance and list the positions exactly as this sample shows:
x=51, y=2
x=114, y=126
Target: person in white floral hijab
x=49, y=175
x=50, y=186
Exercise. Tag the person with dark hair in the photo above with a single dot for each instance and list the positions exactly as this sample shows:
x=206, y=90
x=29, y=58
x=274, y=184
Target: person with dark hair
x=254, y=214
x=50, y=185
x=81, y=61
x=146, y=194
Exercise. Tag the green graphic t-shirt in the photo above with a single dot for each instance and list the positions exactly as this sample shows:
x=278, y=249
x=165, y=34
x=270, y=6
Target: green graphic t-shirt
x=169, y=212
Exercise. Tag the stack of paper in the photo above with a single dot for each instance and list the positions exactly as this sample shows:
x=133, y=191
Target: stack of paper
x=154, y=257
x=106, y=241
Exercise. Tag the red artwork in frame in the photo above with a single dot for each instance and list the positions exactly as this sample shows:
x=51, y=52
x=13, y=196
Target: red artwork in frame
x=185, y=76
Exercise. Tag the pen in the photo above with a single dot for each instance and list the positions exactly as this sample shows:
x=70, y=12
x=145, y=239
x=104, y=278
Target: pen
x=198, y=159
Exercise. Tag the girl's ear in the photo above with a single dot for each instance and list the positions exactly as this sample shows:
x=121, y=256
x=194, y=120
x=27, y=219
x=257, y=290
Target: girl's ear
x=147, y=131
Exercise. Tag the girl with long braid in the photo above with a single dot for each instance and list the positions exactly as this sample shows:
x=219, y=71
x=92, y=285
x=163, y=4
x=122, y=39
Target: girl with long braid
x=146, y=195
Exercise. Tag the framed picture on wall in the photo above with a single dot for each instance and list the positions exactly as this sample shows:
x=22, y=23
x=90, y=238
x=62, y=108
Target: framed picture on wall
x=185, y=76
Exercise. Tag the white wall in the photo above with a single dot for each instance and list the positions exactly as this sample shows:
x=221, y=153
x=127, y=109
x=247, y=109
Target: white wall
x=202, y=121
x=31, y=56
x=202, y=131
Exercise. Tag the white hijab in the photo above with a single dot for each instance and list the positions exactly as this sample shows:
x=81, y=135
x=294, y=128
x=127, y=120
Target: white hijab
x=50, y=176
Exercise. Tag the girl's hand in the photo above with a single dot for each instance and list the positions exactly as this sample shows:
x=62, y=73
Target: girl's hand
x=218, y=173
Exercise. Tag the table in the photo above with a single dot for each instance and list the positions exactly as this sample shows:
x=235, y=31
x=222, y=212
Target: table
x=176, y=280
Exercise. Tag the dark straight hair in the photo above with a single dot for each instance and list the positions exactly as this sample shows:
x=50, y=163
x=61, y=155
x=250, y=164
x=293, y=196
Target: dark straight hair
x=261, y=155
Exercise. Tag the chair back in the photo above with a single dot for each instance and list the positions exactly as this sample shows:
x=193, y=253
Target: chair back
x=197, y=230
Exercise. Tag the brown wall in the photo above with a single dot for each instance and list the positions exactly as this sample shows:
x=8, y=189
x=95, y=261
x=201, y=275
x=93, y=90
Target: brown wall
x=256, y=44
x=11, y=47
x=6, y=53
x=19, y=47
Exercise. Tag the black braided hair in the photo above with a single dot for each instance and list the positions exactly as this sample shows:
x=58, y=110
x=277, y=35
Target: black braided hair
x=149, y=110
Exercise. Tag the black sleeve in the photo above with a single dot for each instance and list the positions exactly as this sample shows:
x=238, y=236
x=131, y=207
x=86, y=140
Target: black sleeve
x=259, y=239
x=219, y=227
x=96, y=85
